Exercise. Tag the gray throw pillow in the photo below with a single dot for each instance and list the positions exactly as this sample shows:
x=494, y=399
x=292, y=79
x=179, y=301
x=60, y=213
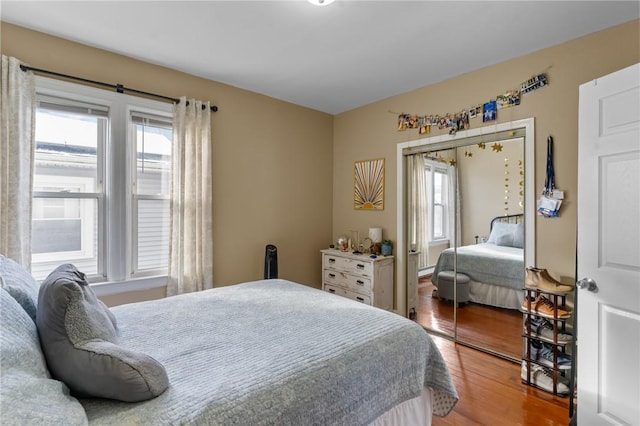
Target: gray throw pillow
x=79, y=339
x=502, y=234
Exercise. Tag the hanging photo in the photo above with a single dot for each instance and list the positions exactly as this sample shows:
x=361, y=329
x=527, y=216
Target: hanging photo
x=489, y=111
x=425, y=130
x=508, y=99
x=534, y=83
x=463, y=121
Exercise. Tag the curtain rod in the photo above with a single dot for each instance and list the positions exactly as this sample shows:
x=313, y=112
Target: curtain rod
x=118, y=87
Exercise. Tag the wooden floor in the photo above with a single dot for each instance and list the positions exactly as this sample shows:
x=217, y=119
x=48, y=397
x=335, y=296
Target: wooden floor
x=495, y=328
x=491, y=392
x=490, y=388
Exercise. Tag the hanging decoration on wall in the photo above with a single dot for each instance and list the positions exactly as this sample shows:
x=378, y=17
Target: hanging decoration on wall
x=521, y=184
x=368, y=192
x=461, y=120
x=534, y=83
x=551, y=198
x=506, y=186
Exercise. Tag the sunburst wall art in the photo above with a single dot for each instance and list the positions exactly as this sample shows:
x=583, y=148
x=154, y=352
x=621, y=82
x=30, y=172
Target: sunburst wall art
x=368, y=193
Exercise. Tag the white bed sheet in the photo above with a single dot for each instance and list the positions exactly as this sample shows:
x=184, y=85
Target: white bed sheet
x=489, y=294
x=415, y=412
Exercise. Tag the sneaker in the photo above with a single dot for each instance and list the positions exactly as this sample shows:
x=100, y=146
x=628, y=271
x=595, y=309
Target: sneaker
x=543, y=307
x=539, y=279
x=543, y=353
x=543, y=378
x=543, y=329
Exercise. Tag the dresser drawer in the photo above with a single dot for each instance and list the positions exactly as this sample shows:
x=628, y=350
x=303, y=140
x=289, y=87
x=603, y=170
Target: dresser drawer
x=354, y=266
x=335, y=290
x=362, y=298
x=354, y=282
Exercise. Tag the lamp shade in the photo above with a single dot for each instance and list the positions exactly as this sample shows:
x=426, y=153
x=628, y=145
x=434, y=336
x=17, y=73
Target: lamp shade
x=375, y=234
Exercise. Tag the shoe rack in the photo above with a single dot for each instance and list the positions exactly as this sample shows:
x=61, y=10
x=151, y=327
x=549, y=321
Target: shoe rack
x=557, y=313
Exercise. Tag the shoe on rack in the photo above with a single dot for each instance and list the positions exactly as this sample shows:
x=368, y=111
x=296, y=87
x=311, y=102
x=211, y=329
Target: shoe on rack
x=543, y=378
x=544, y=352
x=540, y=279
x=543, y=307
x=543, y=329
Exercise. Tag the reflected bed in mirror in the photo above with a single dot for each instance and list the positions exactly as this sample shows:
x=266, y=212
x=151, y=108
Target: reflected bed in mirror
x=469, y=179
x=495, y=269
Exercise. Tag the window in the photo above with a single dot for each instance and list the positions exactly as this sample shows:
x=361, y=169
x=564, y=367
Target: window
x=102, y=178
x=151, y=192
x=438, y=186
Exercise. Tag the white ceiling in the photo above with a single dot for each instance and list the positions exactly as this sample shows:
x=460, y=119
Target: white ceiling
x=332, y=58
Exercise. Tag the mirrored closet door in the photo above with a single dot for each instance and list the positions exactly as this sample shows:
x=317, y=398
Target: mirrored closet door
x=468, y=215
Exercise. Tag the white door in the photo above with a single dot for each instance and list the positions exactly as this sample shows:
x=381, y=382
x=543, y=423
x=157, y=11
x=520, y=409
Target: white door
x=608, y=322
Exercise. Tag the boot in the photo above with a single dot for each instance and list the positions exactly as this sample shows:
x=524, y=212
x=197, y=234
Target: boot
x=540, y=279
x=541, y=306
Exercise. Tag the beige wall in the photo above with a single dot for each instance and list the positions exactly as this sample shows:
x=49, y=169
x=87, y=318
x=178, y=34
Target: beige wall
x=370, y=131
x=481, y=181
x=272, y=160
x=283, y=174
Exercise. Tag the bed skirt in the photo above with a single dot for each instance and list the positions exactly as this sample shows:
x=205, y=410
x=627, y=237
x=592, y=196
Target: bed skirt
x=416, y=411
x=488, y=294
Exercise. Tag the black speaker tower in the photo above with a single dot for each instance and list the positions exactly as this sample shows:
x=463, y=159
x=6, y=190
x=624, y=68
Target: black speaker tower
x=270, y=262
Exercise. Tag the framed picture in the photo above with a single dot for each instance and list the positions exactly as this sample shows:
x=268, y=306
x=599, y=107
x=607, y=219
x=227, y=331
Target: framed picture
x=368, y=191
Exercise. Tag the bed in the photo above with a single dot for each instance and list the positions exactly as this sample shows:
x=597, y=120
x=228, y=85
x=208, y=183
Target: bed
x=259, y=353
x=495, y=268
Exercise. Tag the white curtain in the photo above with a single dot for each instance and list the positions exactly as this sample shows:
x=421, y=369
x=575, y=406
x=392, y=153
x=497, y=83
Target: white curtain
x=190, y=252
x=454, y=207
x=17, y=144
x=418, y=208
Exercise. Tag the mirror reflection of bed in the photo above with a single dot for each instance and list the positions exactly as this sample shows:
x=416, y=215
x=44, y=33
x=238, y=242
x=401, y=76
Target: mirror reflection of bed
x=488, y=284
x=478, y=237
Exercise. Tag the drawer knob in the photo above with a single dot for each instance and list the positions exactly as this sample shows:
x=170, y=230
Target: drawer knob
x=332, y=260
x=360, y=266
x=332, y=275
x=360, y=282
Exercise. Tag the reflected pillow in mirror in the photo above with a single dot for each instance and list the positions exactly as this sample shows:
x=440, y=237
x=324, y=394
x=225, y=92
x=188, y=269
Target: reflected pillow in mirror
x=503, y=234
x=518, y=236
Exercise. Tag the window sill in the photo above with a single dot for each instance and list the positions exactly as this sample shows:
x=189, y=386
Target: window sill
x=108, y=288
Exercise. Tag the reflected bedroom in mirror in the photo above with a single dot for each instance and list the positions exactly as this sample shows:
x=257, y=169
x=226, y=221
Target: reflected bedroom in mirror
x=465, y=219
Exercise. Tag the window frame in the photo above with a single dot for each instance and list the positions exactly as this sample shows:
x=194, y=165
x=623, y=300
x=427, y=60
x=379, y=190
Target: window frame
x=431, y=168
x=136, y=197
x=116, y=274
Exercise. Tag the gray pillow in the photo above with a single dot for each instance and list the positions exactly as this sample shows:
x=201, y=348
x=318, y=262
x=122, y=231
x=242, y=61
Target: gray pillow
x=79, y=338
x=20, y=285
x=518, y=236
x=502, y=234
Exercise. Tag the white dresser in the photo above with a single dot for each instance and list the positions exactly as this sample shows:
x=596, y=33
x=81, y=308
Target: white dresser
x=359, y=277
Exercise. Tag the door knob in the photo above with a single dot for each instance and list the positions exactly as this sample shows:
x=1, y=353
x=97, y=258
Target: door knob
x=587, y=283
